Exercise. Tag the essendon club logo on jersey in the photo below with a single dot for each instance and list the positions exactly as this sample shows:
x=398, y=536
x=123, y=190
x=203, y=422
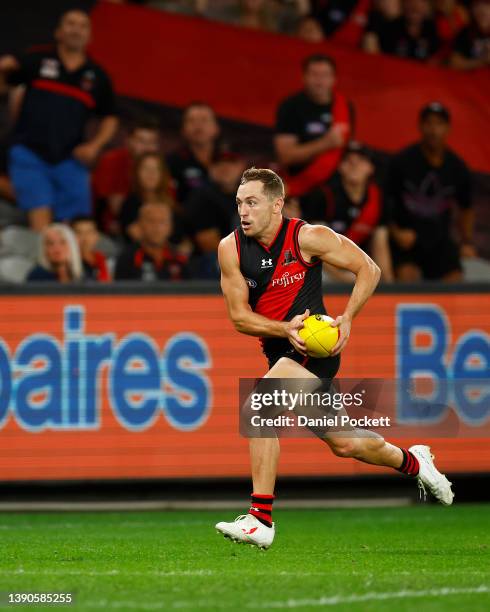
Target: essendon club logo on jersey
x=288, y=258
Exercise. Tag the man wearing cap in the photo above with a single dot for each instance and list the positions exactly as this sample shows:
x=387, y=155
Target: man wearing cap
x=351, y=203
x=425, y=182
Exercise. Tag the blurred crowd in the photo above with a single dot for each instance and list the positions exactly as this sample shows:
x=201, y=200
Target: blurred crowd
x=455, y=33
x=78, y=208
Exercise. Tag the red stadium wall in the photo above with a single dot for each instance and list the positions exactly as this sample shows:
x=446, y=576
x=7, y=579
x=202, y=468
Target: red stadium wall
x=172, y=60
x=57, y=424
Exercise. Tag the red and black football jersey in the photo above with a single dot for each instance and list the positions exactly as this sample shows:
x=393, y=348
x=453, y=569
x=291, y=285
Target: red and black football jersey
x=281, y=283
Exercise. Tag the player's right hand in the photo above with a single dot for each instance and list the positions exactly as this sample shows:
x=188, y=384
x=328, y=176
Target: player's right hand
x=292, y=329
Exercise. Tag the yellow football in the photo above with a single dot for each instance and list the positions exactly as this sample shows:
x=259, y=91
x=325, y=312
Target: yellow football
x=318, y=335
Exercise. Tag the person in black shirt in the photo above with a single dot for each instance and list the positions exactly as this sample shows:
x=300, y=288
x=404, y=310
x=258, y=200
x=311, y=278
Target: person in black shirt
x=472, y=46
x=212, y=211
x=351, y=204
x=311, y=127
x=332, y=14
x=425, y=181
x=413, y=35
x=154, y=258
x=189, y=165
x=48, y=164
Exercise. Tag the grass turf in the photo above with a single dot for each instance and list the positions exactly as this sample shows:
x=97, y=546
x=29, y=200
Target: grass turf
x=417, y=558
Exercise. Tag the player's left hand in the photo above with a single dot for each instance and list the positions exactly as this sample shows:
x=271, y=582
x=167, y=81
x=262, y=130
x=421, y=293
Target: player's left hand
x=343, y=322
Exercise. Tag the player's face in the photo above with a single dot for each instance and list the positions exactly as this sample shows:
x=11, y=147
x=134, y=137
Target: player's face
x=74, y=31
x=56, y=248
x=319, y=79
x=356, y=169
x=144, y=141
x=434, y=130
x=255, y=209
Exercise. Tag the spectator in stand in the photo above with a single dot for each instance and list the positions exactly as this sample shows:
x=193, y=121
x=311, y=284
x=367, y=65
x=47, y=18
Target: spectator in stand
x=312, y=127
x=425, y=181
x=49, y=162
x=413, y=35
x=342, y=21
x=94, y=262
x=451, y=17
x=292, y=208
x=212, y=211
x=189, y=165
x=151, y=184
x=112, y=178
x=351, y=203
x=310, y=30
x=472, y=46
x=254, y=14
x=382, y=13
x=59, y=256
x=154, y=258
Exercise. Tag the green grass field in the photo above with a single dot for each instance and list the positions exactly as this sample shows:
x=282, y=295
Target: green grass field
x=416, y=558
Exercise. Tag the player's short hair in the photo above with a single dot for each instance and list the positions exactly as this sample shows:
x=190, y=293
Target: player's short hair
x=318, y=58
x=273, y=186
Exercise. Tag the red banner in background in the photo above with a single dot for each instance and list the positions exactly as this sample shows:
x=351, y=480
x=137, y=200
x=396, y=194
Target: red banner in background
x=173, y=60
x=104, y=387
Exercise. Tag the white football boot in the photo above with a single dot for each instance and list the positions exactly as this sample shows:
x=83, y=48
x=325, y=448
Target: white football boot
x=247, y=529
x=430, y=477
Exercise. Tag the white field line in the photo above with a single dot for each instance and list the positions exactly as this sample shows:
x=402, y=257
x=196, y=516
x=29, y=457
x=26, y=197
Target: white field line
x=105, y=523
x=291, y=603
x=204, y=572
x=344, y=599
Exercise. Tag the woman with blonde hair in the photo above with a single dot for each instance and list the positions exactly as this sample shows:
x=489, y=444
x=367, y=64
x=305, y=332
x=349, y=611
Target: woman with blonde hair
x=59, y=256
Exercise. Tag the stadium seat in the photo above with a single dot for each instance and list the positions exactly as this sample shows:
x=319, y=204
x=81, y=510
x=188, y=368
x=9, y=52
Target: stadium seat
x=476, y=269
x=14, y=269
x=19, y=241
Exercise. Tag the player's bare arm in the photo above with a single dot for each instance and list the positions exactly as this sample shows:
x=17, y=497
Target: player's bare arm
x=332, y=248
x=235, y=292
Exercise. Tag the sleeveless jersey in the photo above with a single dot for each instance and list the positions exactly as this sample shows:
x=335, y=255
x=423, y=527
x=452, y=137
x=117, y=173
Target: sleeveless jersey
x=281, y=283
